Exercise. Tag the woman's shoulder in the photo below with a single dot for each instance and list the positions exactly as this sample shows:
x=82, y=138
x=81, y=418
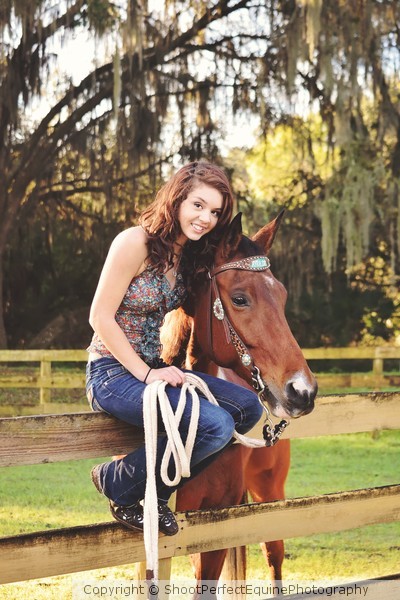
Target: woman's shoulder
x=130, y=243
x=133, y=238
x=134, y=235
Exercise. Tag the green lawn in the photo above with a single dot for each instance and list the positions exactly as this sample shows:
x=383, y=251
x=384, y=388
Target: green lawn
x=319, y=466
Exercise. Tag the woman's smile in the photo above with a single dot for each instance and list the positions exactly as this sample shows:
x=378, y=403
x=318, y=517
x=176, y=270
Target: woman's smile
x=198, y=228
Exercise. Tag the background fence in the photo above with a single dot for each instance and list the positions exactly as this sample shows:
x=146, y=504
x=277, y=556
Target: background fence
x=46, y=378
x=51, y=438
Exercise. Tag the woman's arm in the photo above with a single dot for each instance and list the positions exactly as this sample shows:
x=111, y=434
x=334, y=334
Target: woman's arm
x=125, y=260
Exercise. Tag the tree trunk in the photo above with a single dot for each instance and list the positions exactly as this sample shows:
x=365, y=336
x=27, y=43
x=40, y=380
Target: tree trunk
x=3, y=335
x=8, y=213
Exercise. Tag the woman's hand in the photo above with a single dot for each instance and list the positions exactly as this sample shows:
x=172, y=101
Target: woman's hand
x=171, y=375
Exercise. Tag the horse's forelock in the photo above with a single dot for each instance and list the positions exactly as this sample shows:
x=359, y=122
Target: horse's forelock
x=249, y=248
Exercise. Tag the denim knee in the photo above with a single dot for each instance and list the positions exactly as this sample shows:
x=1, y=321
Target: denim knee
x=219, y=431
x=253, y=413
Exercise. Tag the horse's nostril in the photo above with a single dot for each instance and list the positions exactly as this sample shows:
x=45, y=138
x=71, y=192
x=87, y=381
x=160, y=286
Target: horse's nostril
x=300, y=395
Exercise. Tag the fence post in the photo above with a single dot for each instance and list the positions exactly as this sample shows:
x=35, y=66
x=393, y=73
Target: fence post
x=377, y=369
x=45, y=373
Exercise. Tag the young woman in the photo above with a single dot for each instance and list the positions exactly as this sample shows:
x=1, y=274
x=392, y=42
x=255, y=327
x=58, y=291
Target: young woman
x=146, y=274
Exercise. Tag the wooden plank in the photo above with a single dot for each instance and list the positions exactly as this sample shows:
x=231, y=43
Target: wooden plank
x=387, y=352
x=51, y=438
x=360, y=352
x=56, y=380
x=18, y=410
x=64, y=380
x=45, y=375
x=333, y=380
x=77, y=380
x=62, y=551
x=326, y=381
x=355, y=353
x=39, y=355
x=355, y=380
x=339, y=353
x=348, y=413
x=377, y=367
x=19, y=381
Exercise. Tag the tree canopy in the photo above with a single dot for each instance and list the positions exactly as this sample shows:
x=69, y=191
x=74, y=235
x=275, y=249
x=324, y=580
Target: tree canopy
x=80, y=159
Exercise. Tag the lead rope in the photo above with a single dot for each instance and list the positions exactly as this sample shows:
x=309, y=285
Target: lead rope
x=155, y=393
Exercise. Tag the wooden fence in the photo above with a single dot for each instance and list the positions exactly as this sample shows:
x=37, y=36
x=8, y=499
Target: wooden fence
x=47, y=379
x=51, y=438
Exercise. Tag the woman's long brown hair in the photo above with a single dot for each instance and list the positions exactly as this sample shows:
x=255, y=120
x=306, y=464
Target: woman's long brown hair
x=160, y=219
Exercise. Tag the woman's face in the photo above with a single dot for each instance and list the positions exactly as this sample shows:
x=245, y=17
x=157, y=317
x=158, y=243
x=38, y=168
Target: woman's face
x=199, y=213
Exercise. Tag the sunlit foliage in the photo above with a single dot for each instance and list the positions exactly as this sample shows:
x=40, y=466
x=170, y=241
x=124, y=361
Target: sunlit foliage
x=167, y=81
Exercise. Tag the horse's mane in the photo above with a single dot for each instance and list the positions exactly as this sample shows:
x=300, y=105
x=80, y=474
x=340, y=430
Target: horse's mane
x=175, y=335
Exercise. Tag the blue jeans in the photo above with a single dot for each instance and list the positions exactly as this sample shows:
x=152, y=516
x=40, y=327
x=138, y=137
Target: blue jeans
x=112, y=389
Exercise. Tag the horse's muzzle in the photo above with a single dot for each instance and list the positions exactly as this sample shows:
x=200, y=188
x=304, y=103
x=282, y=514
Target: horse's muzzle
x=300, y=399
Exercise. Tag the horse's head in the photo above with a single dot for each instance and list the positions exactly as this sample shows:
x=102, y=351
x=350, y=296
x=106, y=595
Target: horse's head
x=240, y=322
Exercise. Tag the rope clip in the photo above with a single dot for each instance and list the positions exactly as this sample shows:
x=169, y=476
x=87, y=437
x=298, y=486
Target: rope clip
x=272, y=433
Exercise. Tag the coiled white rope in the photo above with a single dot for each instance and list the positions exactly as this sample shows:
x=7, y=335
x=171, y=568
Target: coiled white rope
x=155, y=394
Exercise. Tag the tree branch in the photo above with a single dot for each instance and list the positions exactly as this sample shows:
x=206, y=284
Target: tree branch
x=14, y=83
x=103, y=77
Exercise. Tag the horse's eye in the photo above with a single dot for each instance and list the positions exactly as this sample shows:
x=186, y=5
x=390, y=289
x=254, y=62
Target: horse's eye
x=240, y=301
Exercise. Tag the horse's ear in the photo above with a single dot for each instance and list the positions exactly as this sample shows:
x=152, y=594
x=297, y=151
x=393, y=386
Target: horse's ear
x=231, y=237
x=266, y=235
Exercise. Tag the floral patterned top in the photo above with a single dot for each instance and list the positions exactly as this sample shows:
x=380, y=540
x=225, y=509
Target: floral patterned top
x=142, y=311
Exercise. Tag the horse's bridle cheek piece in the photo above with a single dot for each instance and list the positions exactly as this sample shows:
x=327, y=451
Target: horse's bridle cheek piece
x=271, y=432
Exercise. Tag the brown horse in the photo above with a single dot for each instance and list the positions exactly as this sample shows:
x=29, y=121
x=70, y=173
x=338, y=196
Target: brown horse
x=238, y=330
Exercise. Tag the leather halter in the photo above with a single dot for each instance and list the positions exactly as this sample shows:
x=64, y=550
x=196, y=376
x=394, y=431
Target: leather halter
x=253, y=263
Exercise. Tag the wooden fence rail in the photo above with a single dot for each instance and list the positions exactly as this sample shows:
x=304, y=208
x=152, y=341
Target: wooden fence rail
x=76, y=549
x=46, y=379
x=53, y=438
x=40, y=439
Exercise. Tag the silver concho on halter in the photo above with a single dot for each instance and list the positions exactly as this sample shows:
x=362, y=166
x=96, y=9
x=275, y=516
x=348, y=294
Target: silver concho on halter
x=246, y=359
x=218, y=309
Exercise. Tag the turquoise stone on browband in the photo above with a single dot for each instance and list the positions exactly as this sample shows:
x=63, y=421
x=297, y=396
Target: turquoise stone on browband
x=251, y=263
x=260, y=263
